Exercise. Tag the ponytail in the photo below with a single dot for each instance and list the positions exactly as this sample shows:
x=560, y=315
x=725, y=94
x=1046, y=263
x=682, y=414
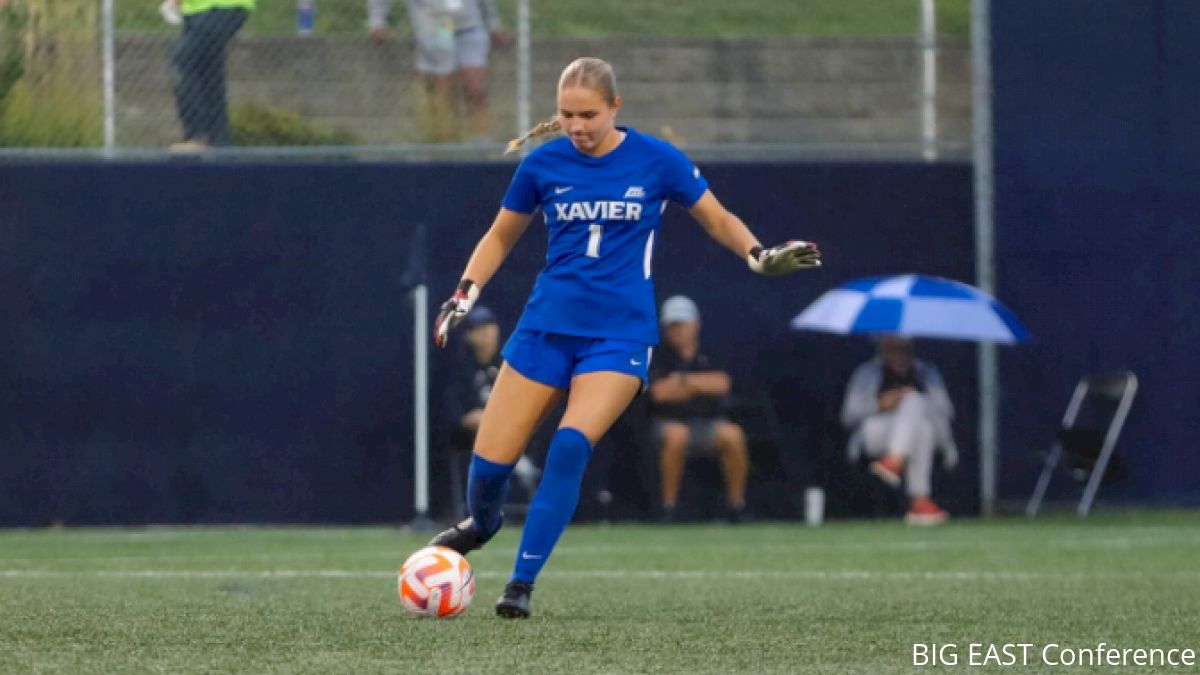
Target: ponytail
x=546, y=128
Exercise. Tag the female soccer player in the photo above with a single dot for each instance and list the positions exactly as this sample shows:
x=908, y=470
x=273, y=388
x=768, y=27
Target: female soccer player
x=589, y=326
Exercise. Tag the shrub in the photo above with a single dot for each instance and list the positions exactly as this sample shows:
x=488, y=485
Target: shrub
x=256, y=124
x=58, y=118
x=12, y=55
x=47, y=73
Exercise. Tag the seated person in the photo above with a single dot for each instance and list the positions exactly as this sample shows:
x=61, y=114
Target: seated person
x=898, y=410
x=687, y=399
x=469, y=384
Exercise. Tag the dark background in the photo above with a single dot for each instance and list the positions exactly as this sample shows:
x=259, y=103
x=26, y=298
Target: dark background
x=185, y=342
x=1097, y=123
x=193, y=342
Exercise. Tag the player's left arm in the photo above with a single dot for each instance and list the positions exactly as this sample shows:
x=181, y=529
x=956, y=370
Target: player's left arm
x=729, y=231
x=722, y=225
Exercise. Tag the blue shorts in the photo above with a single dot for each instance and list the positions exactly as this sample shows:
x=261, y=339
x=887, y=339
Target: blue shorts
x=553, y=359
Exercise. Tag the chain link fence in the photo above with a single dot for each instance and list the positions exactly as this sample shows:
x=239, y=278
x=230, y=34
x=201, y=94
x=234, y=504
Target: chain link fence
x=753, y=77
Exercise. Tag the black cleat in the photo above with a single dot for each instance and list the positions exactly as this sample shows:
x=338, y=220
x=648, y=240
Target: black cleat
x=735, y=515
x=463, y=537
x=667, y=515
x=514, y=604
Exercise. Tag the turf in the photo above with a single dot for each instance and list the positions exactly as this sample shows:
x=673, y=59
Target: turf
x=850, y=597
x=699, y=18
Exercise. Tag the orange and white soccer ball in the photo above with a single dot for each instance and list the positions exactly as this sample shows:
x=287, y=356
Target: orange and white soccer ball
x=436, y=581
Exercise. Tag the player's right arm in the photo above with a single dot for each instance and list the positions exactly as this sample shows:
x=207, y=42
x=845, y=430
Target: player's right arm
x=495, y=245
x=489, y=253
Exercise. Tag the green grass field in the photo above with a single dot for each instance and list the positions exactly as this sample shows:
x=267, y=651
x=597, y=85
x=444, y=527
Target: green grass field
x=602, y=17
x=846, y=597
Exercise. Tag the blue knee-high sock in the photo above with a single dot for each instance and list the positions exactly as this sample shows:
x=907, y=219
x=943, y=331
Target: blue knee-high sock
x=555, y=502
x=487, y=486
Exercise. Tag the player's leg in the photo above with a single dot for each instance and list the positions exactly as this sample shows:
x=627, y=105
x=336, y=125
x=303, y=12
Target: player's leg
x=922, y=510
x=730, y=441
x=673, y=443
x=905, y=423
x=595, y=402
x=231, y=20
x=435, y=64
x=187, y=77
x=437, y=116
x=516, y=408
x=910, y=416
x=877, y=440
x=475, y=94
x=473, y=49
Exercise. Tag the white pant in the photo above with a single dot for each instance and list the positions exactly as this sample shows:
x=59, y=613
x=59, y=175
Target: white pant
x=905, y=430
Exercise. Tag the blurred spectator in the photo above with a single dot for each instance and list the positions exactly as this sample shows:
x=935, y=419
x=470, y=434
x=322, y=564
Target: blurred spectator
x=453, y=38
x=198, y=69
x=898, y=410
x=688, y=391
x=469, y=385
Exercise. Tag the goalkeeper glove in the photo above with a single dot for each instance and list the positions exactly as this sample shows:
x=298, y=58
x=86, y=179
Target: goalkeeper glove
x=784, y=259
x=454, y=310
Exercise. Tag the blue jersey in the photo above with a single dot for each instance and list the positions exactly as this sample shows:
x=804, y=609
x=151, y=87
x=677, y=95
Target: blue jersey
x=602, y=214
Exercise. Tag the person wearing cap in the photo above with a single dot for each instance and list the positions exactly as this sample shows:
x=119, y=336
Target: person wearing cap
x=688, y=392
x=468, y=388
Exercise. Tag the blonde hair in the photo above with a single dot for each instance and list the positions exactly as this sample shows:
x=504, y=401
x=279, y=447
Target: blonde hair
x=588, y=71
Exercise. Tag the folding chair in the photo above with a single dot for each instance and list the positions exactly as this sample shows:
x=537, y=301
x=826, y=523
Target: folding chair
x=1089, y=433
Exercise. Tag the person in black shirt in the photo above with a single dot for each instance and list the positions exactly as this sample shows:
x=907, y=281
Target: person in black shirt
x=688, y=390
x=469, y=386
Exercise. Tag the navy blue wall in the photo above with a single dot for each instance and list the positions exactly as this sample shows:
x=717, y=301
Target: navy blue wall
x=1097, y=122
x=186, y=342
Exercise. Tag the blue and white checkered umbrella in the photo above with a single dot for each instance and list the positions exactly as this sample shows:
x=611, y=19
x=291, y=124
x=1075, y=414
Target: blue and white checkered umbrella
x=915, y=306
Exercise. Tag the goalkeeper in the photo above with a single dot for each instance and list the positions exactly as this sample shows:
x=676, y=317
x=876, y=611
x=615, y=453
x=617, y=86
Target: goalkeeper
x=589, y=326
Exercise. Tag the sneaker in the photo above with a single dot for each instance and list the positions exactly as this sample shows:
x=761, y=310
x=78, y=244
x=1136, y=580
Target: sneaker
x=923, y=511
x=463, y=537
x=888, y=469
x=514, y=603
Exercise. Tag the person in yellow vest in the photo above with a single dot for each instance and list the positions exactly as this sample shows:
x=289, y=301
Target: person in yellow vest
x=198, y=69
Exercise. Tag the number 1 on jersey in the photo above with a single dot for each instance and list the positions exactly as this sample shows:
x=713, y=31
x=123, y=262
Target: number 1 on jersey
x=596, y=231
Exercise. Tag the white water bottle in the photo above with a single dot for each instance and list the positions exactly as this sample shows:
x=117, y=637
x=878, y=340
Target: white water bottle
x=814, y=506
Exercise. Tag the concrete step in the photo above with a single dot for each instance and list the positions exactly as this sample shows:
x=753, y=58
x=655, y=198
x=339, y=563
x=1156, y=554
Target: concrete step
x=708, y=90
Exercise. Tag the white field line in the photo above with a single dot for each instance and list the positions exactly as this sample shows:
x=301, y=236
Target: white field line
x=633, y=548
x=810, y=575
x=273, y=533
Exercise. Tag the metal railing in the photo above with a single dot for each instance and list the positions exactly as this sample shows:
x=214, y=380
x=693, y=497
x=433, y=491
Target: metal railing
x=114, y=78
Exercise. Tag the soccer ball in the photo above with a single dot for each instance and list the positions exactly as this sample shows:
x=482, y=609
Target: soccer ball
x=436, y=581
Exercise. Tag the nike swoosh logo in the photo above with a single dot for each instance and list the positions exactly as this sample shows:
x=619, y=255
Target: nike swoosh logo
x=634, y=362
x=560, y=190
x=525, y=556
